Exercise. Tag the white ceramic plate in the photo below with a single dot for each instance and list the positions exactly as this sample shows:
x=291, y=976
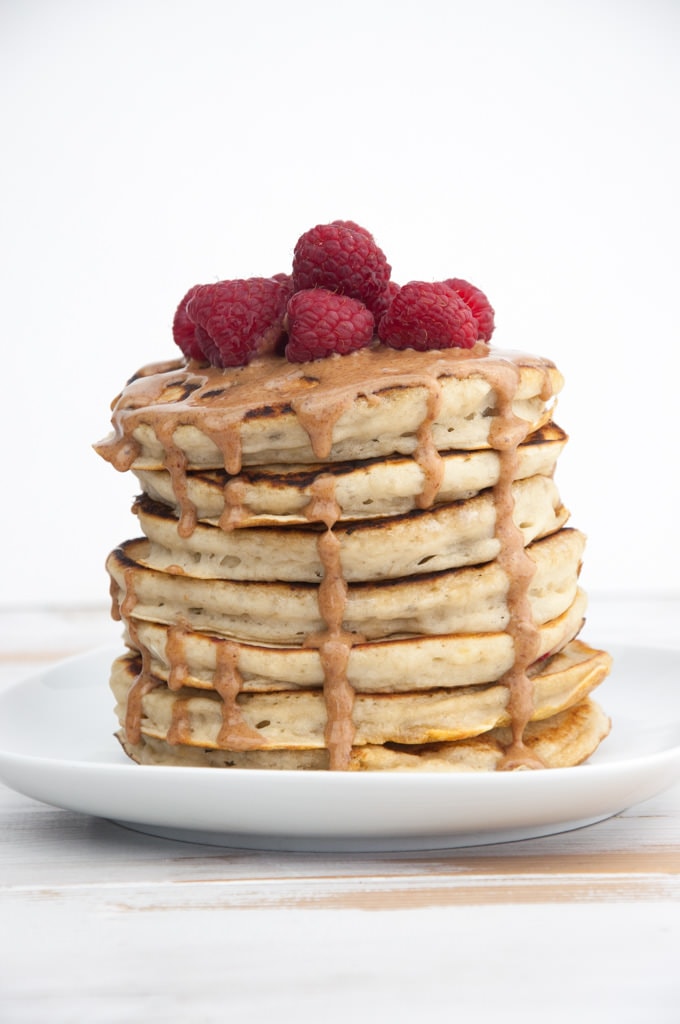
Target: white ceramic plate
x=57, y=746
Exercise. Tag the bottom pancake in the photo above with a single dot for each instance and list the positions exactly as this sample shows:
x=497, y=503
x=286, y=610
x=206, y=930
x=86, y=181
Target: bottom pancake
x=250, y=723
x=561, y=741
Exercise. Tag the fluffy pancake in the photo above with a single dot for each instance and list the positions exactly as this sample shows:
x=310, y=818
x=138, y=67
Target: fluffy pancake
x=467, y=600
x=363, y=489
x=562, y=741
x=275, y=412
x=392, y=666
x=297, y=719
x=424, y=540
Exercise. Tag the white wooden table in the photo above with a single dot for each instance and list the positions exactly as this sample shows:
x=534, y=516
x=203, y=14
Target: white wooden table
x=102, y=924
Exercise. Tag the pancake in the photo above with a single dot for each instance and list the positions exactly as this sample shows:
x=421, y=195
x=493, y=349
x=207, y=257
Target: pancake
x=273, y=412
x=391, y=666
x=424, y=540
x=297, y=720
x=363, y=489
x=467, y=600
x=563, y=741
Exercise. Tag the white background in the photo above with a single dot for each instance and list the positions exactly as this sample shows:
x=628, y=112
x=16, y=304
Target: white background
x=530, y=147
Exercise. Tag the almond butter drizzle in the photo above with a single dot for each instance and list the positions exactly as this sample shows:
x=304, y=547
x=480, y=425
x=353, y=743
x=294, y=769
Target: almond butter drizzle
x=175, y=656
x=335, y=643
x=507, y=433
x=234, y=504
x=235, y=733
x=179, y=730
x=145, y=681
x=217, y=402
x=427, y=454
x=176, y=464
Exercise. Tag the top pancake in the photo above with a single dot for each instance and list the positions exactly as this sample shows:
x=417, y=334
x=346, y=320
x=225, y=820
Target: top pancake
x=372, y=403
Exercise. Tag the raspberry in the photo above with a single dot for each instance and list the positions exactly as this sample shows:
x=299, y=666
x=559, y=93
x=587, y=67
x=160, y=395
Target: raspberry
x=341, y=257
x=384, y=301
x=481, y=308
x=354, y=227
x=321, y=323
x=184, y=330
x=207, y=346
x=426, y=316
x=241, y=318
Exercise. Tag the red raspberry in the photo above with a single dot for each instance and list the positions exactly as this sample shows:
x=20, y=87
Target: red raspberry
x=341, y=257
x=241, y=318
x=481, y=308
x=426, y=316
x=354, y=227
x=321, y=323
x=384, y=301
x=207, y=346
x=184, y=330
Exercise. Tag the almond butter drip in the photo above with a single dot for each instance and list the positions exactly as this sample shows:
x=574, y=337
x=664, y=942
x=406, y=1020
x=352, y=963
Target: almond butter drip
x=217, y=402
x=175, y=656
x=176, y=464
x=143, y=684
x=179, y=730
x=145, y=681
x=335, y=643
x=234, y=504
x=427, y=454
x=506, y=434
x=235, y=733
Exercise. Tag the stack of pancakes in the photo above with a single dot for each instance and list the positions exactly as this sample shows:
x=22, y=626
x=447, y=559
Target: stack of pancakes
x=356, y=563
